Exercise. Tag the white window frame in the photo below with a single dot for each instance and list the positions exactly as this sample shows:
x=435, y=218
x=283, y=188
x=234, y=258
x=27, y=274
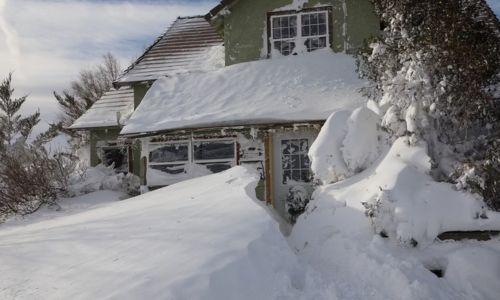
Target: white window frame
x=191, y=160
x=221, y=160
x=299, y=39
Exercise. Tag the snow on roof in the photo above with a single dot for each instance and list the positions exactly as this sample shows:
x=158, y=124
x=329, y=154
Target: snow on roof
x=183, y=47
x=299, y=88
x=105, y=112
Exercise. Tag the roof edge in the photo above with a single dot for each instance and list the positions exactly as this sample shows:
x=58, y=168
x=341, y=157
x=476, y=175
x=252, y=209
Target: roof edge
x=218, y=8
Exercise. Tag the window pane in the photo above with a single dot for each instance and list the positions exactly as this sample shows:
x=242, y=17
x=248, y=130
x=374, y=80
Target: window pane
x=314, y=19
x=276, y=22
x=304, y=161
x=276, y=33
x=322, y=18
x=213, y=150
x=314, y=30
x=322, y=29
x=284, y=22
x=296, y=175
x=169, y=153
x=305, y=31
x=295, y=161
x=305, y=20
x=286, y=161
x=284, y=33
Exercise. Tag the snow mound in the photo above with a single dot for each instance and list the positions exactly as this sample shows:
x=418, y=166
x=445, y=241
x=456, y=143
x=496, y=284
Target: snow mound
x=205, y=238
x=337, y=239
x=348, y=143
x=101, y=178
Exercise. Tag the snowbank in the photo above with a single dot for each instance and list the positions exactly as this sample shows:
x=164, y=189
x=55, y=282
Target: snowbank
x=337, y=239
x=205, y=238
x=348, y=143
x=298, y=88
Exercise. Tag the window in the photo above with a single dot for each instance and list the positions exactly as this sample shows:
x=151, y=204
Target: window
x=294, y=160
x=116, y=157
x=216, y=155
x=178, y=157
x=313, y=32
x=170, y=158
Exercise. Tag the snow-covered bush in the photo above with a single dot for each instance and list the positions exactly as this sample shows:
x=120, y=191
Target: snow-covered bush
x=296, y=200
x=102, y=178
x=435, y=73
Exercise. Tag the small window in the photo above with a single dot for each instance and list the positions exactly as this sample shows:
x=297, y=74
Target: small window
x=303, y=31
x=116, y=157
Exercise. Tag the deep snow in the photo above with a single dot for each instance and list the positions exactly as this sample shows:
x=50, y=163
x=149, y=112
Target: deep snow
x=208, y=238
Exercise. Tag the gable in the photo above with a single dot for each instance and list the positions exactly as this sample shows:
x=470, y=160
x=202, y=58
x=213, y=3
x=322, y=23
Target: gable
x=246, y=24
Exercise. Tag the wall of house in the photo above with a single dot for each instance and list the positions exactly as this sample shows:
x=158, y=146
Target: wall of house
x=140, y=90
x=246, y=23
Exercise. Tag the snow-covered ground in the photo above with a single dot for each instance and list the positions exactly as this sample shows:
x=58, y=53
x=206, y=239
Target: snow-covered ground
x=209, y=238
x=209, y=242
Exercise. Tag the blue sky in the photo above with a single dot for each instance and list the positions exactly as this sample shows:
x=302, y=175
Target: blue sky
x=46, y=42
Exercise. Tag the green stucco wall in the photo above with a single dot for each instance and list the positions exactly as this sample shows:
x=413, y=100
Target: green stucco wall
x=245, y=25
x=140, y=91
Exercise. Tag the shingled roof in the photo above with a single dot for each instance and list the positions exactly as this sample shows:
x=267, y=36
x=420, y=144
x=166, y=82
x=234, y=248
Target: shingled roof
x=183, y=47
x=105, y=112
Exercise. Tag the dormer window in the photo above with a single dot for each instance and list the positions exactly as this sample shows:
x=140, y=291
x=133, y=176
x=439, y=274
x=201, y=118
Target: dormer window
x=303, y=31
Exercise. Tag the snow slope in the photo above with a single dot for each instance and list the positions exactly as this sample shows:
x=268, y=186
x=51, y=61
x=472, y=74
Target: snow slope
x=210, y=242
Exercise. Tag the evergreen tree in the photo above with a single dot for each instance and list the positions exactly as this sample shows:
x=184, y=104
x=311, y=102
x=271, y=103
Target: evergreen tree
x=27, y=172
x=436, y=75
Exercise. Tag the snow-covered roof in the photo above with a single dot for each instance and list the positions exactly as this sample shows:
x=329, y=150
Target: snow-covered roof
x=113, y=106
x=299, y=88
x=183, y=47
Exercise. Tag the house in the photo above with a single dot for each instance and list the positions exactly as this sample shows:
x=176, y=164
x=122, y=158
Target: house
x=249, y=83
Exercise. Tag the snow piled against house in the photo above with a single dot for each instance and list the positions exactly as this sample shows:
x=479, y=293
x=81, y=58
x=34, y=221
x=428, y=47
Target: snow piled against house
x=388, y=181
x=304, y=87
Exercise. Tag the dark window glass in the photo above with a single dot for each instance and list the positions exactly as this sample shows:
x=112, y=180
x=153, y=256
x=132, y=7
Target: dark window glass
x=116, y=157
x=169, y=153
x=170, y=169
x=218, y=167
x=213, y=150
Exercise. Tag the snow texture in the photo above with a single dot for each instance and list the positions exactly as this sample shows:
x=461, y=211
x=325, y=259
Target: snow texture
x=300, y=88
x=348, y=143
x=209, y=242
x=111, y=110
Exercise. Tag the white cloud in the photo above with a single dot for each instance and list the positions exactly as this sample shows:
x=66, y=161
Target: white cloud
x=46, y=43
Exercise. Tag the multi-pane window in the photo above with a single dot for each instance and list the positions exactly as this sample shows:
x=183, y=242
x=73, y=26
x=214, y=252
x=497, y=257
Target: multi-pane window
x=313, y=32
x=314, y=26
x=174, y=157
x=284, y=33
x=294, y=160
